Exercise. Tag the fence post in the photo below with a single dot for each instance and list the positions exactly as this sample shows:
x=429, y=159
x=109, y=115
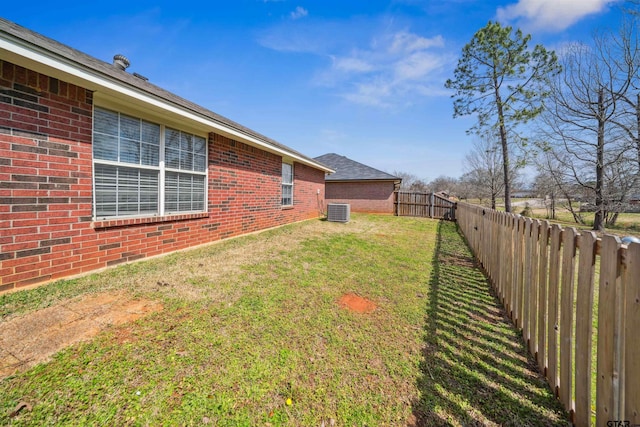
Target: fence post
x=534, y=289
x=395, y=203
x=566, y=317
x=608, y=376
x=584, y=326
x=526, y=281
x=432, y=200
x=631, y=342
x=552, y=326
x=543, y=275
x=519, y=278
x=509, y=235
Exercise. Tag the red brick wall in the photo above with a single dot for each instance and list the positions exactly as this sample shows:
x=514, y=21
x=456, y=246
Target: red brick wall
x=373, y=197
x=46, y=227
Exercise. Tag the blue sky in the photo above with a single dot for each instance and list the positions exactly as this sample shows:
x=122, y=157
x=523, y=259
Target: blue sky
x=361, y=78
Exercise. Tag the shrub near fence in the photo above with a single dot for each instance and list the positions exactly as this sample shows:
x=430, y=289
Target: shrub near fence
x=575, y=297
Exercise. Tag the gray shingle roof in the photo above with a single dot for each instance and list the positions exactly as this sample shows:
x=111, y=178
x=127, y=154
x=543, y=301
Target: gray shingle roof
x=52, y=47
x=350, y=170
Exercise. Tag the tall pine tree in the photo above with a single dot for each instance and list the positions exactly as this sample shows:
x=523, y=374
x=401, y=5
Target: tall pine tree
x=502, y=82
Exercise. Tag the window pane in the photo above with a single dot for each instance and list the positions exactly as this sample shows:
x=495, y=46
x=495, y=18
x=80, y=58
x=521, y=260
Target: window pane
x=130, y=151
x=186, y=142
x=287, y=194
x=186, y=160
x=129, y=127
x=150, y=155
x=184, y=192
x=199, y=162
x=172, y=158
x=125, y=191
x=287, y=184
x=172, y=138
x=118, y=137
x=172, y=148
x=106, y=186
x=171, y=192
x=199, y=145
x=105, y=121
x=151, y=133
x=186, y=152
x=105, y=147
x=148, y=191
x=287, y=173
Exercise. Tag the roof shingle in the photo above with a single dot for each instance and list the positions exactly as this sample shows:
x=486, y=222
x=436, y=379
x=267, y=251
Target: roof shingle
x=350, y=170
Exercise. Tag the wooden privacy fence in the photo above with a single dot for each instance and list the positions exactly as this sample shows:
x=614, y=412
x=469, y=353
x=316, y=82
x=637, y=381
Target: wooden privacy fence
x=428, y=205
x=575, y=297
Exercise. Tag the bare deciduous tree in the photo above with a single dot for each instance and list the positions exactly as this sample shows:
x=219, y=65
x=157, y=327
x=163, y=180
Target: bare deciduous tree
x=410, y=182
x=444, y=184
x=584, y=114
x=556, y=183
x=484, y=169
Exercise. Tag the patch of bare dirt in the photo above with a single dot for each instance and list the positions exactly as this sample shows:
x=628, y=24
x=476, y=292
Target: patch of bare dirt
x=357, y=303
x=34, y=337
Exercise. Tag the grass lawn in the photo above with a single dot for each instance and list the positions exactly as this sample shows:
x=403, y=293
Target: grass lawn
x=252, y=335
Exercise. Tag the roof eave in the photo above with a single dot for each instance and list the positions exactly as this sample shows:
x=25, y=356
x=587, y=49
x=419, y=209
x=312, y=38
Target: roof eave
x=395, y=180
x=28, y=55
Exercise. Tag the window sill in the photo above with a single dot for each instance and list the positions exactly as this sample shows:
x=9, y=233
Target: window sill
x=125, y=222
x=284, y=208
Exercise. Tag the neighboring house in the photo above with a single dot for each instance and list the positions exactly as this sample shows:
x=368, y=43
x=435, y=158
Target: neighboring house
x=366, y=189
x=100, y=167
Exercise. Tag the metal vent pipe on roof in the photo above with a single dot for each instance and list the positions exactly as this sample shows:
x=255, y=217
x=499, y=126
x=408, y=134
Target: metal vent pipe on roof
x=121, y=62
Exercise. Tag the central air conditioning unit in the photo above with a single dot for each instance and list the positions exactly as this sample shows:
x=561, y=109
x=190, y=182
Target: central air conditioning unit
x=338, y=212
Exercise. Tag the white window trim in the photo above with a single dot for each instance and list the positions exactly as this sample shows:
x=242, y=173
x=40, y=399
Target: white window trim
x=289, y=184
x=161, y=168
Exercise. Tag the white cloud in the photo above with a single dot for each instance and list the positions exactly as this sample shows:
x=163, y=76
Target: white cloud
x=551, y=15
x=374, y=93
x=368, y=63
x=392, y=71
x=417, y=65
x=352, y=65
x=300, y=12
x=407, y=42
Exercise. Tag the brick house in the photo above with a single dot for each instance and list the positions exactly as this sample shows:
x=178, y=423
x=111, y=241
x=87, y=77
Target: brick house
x=366, y=189
x=100, y=167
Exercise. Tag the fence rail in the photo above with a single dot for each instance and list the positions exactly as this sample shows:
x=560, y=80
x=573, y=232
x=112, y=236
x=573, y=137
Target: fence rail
x=428, y=205
x=575, y=297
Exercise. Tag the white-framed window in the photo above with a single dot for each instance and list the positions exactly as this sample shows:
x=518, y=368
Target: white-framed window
x=287, y=184
x=143, y=168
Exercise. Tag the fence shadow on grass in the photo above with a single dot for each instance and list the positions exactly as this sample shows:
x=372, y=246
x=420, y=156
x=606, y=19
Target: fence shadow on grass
x=475, y=369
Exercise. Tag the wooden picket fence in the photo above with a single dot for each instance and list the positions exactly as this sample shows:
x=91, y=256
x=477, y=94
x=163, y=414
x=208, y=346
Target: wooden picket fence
x=575, y=297
x=428, y=205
